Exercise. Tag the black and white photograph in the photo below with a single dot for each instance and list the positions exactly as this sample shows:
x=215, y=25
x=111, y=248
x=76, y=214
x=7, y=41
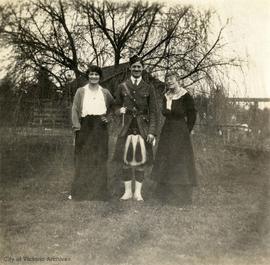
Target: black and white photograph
x=134, y=132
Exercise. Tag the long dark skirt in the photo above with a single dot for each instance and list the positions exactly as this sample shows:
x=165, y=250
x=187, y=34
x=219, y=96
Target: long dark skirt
x=91, y=153
x=174, y=168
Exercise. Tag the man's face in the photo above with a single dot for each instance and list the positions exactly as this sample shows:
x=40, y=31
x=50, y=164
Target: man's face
x=136, y=69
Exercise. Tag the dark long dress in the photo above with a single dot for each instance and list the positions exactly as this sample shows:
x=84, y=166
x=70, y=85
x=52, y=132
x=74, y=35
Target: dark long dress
x=91, y=151
x=174, y=168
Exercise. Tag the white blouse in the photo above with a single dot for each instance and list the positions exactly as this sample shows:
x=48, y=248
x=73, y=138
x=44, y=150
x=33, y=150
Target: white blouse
x=93, y=102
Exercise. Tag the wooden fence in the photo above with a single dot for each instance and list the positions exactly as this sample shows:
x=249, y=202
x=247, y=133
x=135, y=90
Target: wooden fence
x=33, y=113
x=52, y=114
x=48, y=117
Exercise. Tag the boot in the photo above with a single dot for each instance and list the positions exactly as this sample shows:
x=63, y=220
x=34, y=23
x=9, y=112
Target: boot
x=128, y=192
x=138, y=189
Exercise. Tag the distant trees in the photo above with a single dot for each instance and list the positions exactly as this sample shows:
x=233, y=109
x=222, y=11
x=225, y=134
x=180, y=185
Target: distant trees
x=45, y=87
x=65, y=36
x=6, y=87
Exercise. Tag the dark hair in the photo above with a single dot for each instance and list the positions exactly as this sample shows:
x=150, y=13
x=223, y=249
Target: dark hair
x=93, y=68
x=135, y=59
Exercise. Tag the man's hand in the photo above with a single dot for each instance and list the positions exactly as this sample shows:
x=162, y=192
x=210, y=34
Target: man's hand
x=150, y=138
x=123, y=110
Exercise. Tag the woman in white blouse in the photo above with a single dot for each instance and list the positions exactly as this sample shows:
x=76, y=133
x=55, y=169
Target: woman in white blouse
x=89, y=120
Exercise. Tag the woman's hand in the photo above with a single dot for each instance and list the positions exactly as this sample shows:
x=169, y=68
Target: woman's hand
x=104, y=119
x=76, y=135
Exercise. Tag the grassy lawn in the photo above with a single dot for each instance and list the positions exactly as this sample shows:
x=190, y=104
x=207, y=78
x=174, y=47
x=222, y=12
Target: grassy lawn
x=228, y=222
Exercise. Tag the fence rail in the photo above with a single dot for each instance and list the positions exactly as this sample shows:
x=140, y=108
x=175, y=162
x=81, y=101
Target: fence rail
x=35, y=113
x=49, y=117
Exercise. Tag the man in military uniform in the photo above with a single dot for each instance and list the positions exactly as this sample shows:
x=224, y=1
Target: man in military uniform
x=136, y=103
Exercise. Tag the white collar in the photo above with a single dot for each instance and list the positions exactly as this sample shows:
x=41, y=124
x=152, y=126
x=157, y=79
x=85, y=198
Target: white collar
x=175, y=96
x=139, y=79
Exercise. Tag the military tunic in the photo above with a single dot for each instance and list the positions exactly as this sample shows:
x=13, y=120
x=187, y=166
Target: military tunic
x=140, y=117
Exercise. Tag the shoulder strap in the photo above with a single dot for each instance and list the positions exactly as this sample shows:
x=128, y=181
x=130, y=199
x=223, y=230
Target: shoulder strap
x=127, y=89
x=130, y=96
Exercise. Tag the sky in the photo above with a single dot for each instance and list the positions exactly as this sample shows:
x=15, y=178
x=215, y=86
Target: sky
x=247, y=36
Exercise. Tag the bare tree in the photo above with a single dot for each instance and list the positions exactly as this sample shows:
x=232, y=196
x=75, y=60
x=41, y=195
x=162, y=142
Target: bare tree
x=120, y=23
x=46, y=34
x=65, y=36
x=175, y=38
x=195, y=55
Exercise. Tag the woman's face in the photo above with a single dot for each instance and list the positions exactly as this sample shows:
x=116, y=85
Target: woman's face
x=173, y=85
x=171, y=82
x=93, y=78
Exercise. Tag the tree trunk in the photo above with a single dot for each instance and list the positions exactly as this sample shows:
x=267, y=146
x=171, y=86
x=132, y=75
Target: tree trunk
x=117, y=57
x=76, y=83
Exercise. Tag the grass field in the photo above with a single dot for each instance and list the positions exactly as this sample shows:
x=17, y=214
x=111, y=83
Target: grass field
x=228, y=222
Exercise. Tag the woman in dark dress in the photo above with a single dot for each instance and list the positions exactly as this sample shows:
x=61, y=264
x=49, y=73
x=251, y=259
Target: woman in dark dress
x=174, y=169
x=89, y=121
